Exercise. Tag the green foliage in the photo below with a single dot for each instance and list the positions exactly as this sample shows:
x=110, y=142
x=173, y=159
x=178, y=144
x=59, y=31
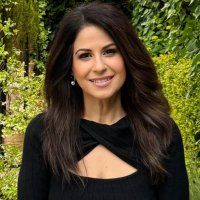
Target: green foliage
x=24, y=94
x=174, y=75
x=25, y=15
x=42, y=39
x=170, y=26
x=25, y=106
x=27, y=102
x=7, y=4
x=9, y=170
x=7, y=30
x=8, y=184
x=22, y=26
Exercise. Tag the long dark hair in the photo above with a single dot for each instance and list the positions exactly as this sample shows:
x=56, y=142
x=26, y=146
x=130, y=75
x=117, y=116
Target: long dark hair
x=141, y=94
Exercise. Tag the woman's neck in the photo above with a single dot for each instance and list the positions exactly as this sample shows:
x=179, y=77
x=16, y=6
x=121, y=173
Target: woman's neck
x=105, y=111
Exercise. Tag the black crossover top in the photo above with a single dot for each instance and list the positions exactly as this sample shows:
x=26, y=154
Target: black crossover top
x=36, y=182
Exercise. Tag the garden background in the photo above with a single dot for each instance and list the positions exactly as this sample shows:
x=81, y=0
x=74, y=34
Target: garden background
x=170, y=30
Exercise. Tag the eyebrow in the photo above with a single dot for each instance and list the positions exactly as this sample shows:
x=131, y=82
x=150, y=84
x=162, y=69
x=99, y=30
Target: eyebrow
x=84, y=49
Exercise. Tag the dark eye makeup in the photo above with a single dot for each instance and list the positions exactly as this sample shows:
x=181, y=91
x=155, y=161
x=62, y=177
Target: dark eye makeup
x=109, y=51
x=85, y=55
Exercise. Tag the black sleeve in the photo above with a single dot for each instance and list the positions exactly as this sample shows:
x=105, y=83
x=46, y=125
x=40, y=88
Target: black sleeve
x=33, y=180
x=176, y=185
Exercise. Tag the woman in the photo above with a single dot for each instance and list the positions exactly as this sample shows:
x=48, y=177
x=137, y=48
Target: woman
x=106, y=133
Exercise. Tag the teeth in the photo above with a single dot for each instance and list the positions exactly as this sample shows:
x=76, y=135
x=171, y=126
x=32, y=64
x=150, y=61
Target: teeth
x=101, y=81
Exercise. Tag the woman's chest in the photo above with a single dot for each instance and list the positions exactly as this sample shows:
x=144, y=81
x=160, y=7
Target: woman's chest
x=102, y=163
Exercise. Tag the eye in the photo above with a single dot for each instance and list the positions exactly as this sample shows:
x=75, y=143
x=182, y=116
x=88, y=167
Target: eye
x=85, y=55
x=110, y=51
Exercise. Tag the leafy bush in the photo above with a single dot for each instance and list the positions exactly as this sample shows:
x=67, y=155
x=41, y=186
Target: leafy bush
x=24, y=107
x=167, y=26
x=9, y=170
x=174, y=75
x=23, y=93
x=15, y=122
x=25, y=101
x=170, y=26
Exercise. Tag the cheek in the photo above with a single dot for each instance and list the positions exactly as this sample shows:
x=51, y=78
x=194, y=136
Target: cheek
x=79, y=70
x=118, y=66
x=121, y=71
x=78, y=73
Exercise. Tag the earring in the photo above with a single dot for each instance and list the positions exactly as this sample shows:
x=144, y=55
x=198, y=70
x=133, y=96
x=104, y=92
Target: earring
x=72, y=81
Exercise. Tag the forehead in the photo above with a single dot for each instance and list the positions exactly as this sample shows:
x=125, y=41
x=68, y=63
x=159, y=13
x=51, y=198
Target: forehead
x=92, y=36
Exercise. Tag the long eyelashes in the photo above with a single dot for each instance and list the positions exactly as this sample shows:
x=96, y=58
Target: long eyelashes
x=108, y=52
x=85, y=55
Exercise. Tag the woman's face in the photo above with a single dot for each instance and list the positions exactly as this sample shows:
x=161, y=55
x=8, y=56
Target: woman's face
x=98, y=66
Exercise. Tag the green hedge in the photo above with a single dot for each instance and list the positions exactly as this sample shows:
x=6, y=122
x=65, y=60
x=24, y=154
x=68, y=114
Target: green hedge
x=174, y=75
x=9, y=170
x=27, y=101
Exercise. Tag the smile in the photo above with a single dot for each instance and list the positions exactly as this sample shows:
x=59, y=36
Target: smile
x=102, y=82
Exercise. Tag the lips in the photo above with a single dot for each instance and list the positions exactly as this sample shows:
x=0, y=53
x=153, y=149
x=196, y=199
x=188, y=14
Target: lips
x=102, y=79
x=102, y=82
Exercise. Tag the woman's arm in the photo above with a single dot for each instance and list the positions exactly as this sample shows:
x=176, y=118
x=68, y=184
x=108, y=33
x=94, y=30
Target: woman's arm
x=33, y=181
x=176, y=185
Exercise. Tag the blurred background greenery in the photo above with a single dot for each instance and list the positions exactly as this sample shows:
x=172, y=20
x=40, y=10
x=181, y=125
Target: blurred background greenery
x=170, y=31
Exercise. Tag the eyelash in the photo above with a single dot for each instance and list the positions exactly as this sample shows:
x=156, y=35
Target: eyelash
x=111, y=51
x=108, y=51
x=84, y=55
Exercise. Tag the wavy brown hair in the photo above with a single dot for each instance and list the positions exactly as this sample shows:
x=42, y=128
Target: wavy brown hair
x=141, y=94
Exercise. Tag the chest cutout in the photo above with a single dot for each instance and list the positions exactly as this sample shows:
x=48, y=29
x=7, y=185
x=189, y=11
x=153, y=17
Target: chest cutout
x=102, y=163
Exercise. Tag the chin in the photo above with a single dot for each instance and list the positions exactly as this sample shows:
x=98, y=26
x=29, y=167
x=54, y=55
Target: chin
x=104, y=96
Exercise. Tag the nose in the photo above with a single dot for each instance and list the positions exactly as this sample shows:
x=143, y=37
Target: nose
x=99, y=65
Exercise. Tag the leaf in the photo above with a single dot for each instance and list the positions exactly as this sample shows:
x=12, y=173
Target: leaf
x=170, y=13
x=197, y=12
x=196, y=59
x=166, y=5
x=197, y=136
x=191, y=2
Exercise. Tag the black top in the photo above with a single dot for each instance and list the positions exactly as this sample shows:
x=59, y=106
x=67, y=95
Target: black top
x=37, y=183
